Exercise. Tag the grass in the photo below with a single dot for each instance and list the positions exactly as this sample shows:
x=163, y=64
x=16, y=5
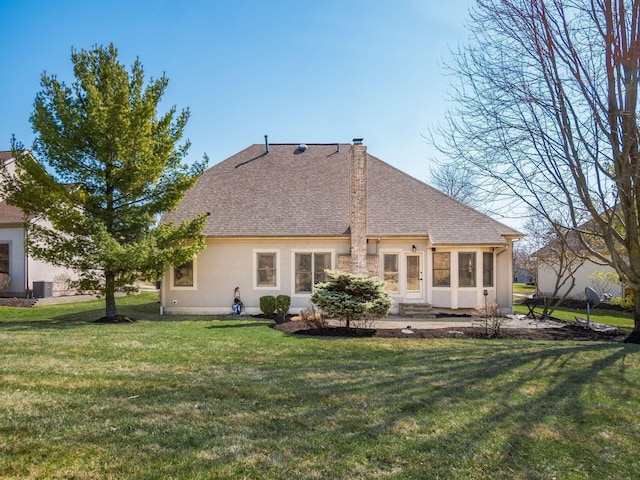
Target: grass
x=524, y=289
x=199, y=398
x=607, y=317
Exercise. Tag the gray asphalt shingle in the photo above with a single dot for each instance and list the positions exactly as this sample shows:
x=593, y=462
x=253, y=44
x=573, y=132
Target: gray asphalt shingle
x=287, y=193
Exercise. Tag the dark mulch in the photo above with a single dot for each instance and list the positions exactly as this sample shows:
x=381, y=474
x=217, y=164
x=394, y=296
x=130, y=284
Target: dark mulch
x=115, y=319
x=16, y=302
x=568, y=332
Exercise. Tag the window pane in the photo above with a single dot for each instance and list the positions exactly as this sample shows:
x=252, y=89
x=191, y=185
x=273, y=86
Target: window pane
x=390, y=272
x=467, y=269
x=487, y=269
x=4, y=258
x=413, y=273
x=303, y=273
x=322, y=262
x=183, y=275
x=266, y=270
x=441, y=269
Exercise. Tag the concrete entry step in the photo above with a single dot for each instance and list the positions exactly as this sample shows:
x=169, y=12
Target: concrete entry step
x=416, y=310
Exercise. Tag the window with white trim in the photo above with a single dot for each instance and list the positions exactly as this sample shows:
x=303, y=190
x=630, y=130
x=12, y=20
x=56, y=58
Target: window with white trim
x=184, y=276
x=487, y=269
x=442, y=269
x=310, y=268
x=266, y=269
x=4, y=258
x=391, y=272
x=467, y=269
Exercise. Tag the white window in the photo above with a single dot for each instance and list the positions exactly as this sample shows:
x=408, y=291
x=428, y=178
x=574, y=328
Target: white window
x=4, y=258
x=183, y=277
x=310, y=269
x=442, y=269
x=265, y=269
x=391, y=272
x=466, y=269
x=487, y=269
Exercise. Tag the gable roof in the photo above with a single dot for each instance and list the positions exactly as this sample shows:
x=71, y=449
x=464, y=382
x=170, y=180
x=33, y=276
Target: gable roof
x=290, y=192
x=5, y=155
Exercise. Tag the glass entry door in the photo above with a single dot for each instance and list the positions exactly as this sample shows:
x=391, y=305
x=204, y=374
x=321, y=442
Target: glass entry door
x=413, y=275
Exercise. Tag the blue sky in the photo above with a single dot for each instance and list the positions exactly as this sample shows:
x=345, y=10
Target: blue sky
x=299, y=71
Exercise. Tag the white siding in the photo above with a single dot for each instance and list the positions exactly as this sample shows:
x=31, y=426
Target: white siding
x=584, y=277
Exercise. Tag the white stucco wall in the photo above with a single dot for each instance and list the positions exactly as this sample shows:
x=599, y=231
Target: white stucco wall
x=225, y=265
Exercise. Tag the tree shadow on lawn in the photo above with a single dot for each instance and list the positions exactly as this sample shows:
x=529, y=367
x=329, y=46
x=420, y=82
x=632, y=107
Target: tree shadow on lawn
x=500, y=407
x=65, y=321
x=148, y=312
x=511, y=407
x=236, y=323
x=77, y=315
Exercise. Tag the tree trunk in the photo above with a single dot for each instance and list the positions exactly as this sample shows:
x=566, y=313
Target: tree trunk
x=636, y=314
x=110, y=295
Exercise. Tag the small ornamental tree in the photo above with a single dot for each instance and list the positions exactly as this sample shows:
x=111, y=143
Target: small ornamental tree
x=352, y=297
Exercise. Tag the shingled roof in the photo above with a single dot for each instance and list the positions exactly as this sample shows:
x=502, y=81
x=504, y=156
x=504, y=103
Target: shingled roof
x=291, y=191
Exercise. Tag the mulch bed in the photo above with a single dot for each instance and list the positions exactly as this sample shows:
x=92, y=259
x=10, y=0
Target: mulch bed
x=16, y=302
x=568, y=332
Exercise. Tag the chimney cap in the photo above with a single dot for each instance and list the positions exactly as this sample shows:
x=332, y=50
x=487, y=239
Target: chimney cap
x=358, y=141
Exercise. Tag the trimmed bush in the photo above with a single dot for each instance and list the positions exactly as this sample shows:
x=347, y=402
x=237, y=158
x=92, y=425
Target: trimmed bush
x=283, y=302
x=268, y=304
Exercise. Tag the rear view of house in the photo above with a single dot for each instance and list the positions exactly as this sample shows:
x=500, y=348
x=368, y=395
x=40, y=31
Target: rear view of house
x=282, y=214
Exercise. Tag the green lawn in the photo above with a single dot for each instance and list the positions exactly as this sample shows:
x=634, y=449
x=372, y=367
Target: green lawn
x=615, y=318
x=524, y=289
x=199, y=398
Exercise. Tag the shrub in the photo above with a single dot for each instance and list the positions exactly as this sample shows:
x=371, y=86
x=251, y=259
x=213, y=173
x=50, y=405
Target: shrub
x=352, y=297
x=488, y=317
x=283, y=302
x=268, y=304
x=627, y=303
x=313, y=316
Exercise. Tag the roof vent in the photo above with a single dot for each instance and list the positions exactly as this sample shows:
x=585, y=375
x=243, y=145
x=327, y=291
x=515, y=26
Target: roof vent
x=301, y=149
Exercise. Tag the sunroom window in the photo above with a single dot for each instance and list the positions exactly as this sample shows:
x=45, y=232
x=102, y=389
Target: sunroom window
x=467, y=269
x=442, y=269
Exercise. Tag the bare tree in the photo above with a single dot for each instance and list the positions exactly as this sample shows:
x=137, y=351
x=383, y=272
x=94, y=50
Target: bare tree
x=556, y=254
x=522, y=260
x=546, y=112
x=456, y=181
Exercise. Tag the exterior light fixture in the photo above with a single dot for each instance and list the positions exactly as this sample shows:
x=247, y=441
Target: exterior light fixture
x=413, y=248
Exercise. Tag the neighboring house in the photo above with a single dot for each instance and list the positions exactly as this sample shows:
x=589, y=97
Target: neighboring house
x=523, y=276
x=280, y=214
x=25, y=272
x=585, y=275
x=558, y=263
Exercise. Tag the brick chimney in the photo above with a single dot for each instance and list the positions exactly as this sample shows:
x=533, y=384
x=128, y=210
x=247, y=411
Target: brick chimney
x=358, y=206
